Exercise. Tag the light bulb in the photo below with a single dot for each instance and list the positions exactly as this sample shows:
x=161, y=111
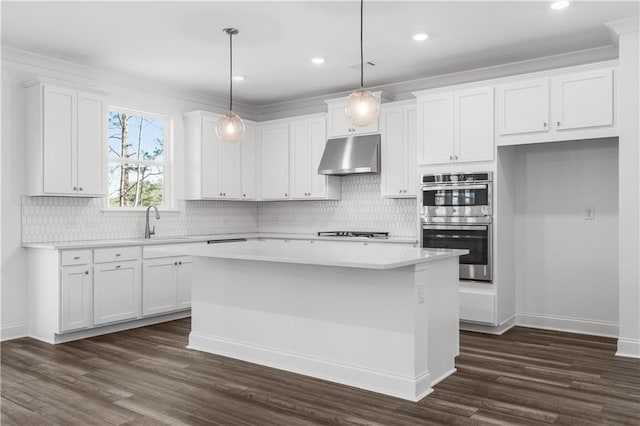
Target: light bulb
x=230, y=128
x=362, y=108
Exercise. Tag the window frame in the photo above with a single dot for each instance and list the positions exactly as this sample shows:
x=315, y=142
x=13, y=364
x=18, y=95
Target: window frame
x=167, y=163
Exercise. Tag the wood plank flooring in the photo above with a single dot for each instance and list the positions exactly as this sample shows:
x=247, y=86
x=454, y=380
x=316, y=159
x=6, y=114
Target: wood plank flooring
x=147, y=377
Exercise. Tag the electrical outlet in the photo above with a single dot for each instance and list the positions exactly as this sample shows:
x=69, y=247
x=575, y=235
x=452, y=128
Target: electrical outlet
x=590, y=213
x=420, y=289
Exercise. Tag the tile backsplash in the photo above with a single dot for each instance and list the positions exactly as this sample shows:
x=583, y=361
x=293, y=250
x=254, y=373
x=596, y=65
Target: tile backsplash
x=48, y=219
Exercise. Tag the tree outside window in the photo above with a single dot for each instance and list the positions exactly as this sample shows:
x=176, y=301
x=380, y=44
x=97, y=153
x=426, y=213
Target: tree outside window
x=137, y=161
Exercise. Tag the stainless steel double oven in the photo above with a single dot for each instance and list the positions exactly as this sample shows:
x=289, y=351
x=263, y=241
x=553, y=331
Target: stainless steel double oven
x=457, y=213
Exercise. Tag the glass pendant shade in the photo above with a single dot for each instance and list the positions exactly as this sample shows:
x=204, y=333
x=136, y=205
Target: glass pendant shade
x=230, y=128
x=362, y=108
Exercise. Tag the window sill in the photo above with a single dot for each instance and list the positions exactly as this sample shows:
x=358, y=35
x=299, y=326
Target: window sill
x=139, y=212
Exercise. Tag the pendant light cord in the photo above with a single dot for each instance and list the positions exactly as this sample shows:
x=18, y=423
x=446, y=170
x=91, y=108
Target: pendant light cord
x=230, y=71
x=361, y=48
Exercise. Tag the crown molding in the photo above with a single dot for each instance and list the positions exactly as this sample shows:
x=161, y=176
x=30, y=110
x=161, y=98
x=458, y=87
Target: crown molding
x=623, y=27
x=32, y=66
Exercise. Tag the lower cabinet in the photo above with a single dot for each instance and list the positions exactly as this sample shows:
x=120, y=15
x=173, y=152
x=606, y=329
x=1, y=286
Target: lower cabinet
x=116, y=288
x=76, y=287
x=166, y=285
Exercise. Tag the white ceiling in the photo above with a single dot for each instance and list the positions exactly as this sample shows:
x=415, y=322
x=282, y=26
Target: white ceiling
x=182, y=44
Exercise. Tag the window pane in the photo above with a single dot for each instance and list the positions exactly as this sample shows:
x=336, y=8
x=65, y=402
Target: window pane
x=134, y=137
x=135, y=185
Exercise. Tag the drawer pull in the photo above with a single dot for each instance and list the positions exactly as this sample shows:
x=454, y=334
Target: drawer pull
x=118, y=254
x=76, y=257
x=118, y=266
x=86, y=272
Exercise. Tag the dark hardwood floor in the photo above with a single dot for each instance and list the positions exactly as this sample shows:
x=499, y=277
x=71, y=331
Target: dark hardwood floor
x=146, y=376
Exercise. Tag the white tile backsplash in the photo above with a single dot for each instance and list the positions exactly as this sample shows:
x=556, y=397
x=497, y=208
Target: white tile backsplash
x=49, y=219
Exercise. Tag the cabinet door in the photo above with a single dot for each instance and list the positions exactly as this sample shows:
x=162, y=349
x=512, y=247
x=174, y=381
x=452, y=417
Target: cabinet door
x=300, y=146
x=159, y=290
x=523, y=107
x=583, y=100
x=411, y=151
x=60, y=140
x=339, y=124
x=211, y=160
x=275, y=162
x=231, y=169
x=474, y=135
x=116, y=290
x=75, y=298
x=318, y=140
x=249, y=163
x=393, y=156
x=91, y=144
x=183, y=280
x=435, y=129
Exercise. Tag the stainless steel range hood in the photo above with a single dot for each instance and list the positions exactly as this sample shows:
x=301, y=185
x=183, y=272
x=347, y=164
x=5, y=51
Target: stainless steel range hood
x=351, y=155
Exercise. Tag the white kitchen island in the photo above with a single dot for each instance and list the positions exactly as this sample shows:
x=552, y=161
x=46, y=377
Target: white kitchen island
x=382, y=317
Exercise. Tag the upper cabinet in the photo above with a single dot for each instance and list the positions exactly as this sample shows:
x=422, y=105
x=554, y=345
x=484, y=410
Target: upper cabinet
x=577, y=105
x=398, y=129
x=455, y=126
x=214, y=167
x=338, y=125
x=307, y=140
x=66, y=141
x=248, y=147
x=274, y=161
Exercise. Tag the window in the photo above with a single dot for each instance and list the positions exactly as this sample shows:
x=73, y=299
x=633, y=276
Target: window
x=138, y=164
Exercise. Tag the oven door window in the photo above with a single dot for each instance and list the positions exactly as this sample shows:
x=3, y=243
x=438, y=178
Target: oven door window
x=476, y=241
x=455, y=197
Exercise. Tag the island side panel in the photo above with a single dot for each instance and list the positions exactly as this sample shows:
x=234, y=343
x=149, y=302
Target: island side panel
x=349, y=325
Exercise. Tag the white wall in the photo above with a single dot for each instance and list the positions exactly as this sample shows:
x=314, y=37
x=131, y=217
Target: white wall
x=629, y=178
x=566, y=266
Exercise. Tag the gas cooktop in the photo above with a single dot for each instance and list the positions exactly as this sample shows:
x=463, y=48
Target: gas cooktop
x=361, y=234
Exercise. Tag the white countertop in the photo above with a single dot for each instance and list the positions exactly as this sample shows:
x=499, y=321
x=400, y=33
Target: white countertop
x=161, y=240
x=325, y=253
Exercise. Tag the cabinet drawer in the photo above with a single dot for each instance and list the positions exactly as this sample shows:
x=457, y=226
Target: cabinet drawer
x=75, y=257
x=477, y=307
x=116, y=254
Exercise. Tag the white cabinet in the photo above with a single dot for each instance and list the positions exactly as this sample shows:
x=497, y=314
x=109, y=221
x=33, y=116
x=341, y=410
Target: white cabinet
x=523, y=107
x=116, y=292
x=66, y=134
x=570, y=106
x=306, y=145
x=166, y=285
x=75, y=297
x=249, y=162
x=213, y=167
x=456, y=126
x=398, y=129
x=274, y=161
x=338, y=125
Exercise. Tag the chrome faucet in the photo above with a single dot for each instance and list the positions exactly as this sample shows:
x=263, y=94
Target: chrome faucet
x=149, y=232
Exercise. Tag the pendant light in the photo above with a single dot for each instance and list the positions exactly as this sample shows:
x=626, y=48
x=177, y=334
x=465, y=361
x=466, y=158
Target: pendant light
x=362, y=107
x=230, y=127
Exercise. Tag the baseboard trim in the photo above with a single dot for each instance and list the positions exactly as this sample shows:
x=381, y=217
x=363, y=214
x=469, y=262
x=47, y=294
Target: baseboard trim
x=489, y=329
x=13, y=331
x=568, y=324
x=113, y=328
x=628, y=348
x=400, y=386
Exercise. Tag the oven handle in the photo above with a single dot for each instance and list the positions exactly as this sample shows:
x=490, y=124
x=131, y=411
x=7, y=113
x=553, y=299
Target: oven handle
x=453, y=187
x=457, y=227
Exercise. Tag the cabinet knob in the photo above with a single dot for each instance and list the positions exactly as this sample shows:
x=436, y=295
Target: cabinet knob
x=455, y=157
x=400, y=191
x=80, y=189
x=180, y=263
x=244, y=195
x=118, y=266
x=75, y=188
x=558, y=124
x=175, y=263
x=286, y=195
x=76, y=257
x=86, y=272
x=544, y=125
x=451, y=157
x=224, y=194
x=118, y=254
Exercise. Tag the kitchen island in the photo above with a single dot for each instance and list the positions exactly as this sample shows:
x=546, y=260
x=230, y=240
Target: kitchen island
x=382, y=317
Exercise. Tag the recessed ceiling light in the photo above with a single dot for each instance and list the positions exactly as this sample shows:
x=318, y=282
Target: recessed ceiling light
x=421, y=37
x=318, y=60
x=238, y=78
x=560, y=4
